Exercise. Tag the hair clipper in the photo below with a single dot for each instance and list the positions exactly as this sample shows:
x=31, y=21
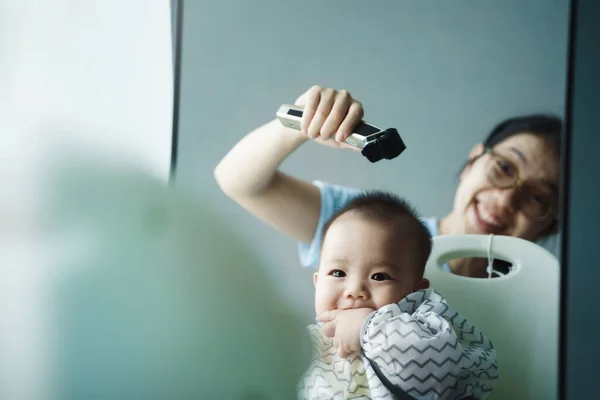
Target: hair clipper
x=375, y=144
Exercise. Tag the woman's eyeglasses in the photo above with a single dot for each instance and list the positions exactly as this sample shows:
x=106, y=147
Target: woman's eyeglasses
x=536, y=203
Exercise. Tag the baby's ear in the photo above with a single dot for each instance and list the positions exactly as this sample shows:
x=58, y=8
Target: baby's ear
x=315, y=278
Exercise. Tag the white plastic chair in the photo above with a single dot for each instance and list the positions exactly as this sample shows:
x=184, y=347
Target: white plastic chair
x=518, y=311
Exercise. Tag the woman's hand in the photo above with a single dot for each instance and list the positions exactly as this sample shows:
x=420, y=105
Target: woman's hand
x=329, y=116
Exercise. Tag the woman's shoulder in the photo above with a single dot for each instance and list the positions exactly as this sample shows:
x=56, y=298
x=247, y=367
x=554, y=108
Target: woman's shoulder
x=338, y=189
x=335, y=196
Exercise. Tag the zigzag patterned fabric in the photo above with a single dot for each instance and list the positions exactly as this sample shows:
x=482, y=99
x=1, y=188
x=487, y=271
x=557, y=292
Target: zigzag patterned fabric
x=421, y=347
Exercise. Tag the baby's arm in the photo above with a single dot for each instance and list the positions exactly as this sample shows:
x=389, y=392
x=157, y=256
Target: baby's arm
x=414, y=345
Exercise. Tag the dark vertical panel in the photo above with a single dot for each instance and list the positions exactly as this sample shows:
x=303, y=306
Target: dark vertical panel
x=580, y=351
x=177, y=27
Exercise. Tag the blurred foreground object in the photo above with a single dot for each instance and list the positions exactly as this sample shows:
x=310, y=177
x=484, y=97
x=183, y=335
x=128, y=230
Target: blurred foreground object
x=148, y=294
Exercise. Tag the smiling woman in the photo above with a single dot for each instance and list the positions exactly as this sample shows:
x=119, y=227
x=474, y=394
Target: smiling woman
x=509, y=186
x=519, y=163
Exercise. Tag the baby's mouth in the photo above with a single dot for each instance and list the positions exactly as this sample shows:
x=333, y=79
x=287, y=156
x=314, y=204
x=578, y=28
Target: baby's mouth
x=352, y=307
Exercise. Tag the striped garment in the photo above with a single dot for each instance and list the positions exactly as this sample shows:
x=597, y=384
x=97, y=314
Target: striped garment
x=418, y=348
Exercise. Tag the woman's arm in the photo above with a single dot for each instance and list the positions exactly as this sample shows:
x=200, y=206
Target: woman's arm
x=249, y=175
x=249, y=172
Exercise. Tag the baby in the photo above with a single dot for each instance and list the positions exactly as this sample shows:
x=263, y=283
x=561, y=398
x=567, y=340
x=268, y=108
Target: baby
x=382, y=332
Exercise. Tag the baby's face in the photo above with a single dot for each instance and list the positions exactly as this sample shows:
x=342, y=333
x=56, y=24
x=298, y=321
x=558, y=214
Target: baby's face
x=364, y=264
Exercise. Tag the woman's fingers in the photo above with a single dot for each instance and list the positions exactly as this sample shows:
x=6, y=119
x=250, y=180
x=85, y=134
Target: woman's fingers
x=352, y=119
x=327, y=99
x=329, y=113
x=311, y=101
x=338, y=112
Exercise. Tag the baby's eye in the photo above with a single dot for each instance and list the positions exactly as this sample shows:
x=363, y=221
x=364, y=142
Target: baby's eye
x=336, y=273
x=380, y=276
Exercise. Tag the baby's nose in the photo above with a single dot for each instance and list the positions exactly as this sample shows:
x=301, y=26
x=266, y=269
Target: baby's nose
x=357, y=290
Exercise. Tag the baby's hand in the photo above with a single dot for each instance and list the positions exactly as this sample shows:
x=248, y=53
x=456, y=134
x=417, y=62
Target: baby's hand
x=344, y=327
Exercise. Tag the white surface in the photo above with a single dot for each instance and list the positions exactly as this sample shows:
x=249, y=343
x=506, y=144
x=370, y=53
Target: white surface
x=518, y=312
x=92, y=75
x=99, y=70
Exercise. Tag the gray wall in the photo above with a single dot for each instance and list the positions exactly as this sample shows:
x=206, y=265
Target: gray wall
x=442, y=73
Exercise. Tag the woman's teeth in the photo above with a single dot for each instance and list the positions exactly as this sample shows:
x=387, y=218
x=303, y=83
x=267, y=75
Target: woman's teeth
x=488, y=218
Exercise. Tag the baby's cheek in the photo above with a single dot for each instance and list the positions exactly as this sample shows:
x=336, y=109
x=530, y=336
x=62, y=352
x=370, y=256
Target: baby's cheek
x=390, y=296
x=322, y=302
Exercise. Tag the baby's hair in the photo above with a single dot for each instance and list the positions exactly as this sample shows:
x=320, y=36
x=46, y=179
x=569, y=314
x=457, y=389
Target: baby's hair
x=387, y=208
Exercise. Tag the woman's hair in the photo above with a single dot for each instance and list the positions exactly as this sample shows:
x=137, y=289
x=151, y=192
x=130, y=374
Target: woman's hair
x=544, y=126
x=547, y=127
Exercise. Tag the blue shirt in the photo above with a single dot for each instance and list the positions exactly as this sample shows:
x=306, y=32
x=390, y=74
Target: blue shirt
x=334, y=198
